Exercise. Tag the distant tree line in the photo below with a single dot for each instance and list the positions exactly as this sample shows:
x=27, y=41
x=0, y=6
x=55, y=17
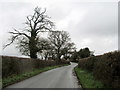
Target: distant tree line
x=82, y=53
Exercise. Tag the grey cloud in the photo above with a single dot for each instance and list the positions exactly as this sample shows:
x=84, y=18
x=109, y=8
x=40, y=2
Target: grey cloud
x=100, y=20
x=90, y=24
x=99, y=26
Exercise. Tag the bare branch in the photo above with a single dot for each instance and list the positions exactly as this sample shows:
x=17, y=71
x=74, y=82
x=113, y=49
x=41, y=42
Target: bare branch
x=17, y=34
x=29, y=22
x=12, y=40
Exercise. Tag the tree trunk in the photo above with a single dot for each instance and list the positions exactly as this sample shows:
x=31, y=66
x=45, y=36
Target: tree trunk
x=32, y=46
x=33, y=55
x=33, y=52
x=59, y=59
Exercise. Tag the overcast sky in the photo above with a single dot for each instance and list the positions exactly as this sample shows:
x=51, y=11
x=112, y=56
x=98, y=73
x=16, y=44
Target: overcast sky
x=91, y=23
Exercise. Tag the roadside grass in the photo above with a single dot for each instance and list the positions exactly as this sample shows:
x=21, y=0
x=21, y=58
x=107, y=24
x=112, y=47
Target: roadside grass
x=16, y=78
x=86, y=79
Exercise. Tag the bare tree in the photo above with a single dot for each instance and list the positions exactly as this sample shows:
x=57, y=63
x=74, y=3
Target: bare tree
x=27, y=39
x=45, y=47
x=68, y=49
x=59, y=40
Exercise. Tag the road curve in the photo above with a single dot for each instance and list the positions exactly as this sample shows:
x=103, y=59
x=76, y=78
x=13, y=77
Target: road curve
x=57, y=78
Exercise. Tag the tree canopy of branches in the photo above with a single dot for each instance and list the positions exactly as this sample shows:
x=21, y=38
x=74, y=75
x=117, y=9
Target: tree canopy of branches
x=46, y=47
x=27, y=39
x=74, y=57
x=85, y=52
x=82, y=53
x=61, y=43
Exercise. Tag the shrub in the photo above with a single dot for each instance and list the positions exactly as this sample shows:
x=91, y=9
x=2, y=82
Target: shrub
x=104, y=67
x=107, y=69
x=87, y=63
x=15, y=65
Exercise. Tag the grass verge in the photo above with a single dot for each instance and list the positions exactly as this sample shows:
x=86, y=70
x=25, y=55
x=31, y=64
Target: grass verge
x=16, y=78
x=86, y=79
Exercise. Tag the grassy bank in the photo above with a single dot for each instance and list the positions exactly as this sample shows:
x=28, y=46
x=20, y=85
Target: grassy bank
x=16, y=78
x=86, y=79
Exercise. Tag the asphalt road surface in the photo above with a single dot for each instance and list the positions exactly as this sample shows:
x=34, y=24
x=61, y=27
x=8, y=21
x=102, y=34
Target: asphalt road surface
x=62, y=77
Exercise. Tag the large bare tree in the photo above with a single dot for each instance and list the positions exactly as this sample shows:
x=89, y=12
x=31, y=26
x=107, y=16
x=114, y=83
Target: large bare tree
x=27, y=39
x=60, y=41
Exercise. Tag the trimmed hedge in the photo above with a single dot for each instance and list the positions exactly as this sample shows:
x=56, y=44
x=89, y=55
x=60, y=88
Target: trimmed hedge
x=105, y=68
x=15, y=65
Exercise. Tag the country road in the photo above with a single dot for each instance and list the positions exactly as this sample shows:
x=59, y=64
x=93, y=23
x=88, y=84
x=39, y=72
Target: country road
x=57, y=78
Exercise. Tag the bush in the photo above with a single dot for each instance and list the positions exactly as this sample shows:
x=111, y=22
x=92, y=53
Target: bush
x=87, y=63
x=14, y=65
x=108, y=69
x=104, y=67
